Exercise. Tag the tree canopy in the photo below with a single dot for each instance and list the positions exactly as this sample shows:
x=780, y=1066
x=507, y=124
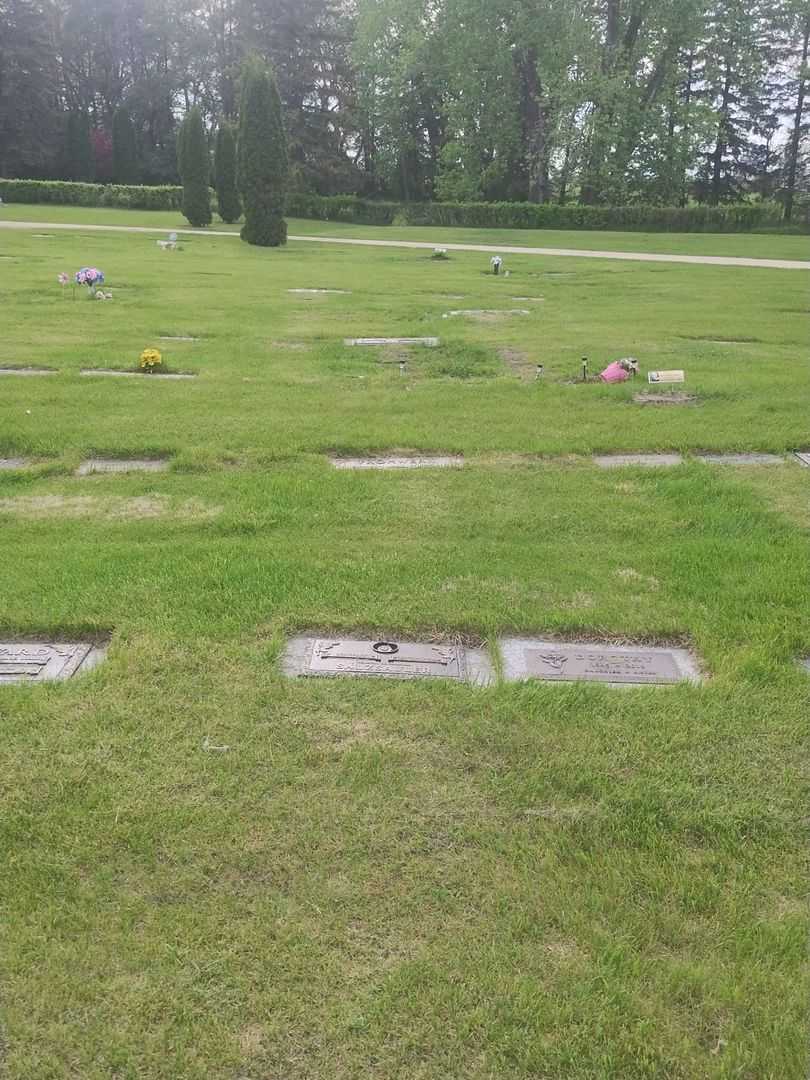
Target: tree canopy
x=618, y=101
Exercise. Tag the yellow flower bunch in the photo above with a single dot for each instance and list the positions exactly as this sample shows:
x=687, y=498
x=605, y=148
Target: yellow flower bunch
x=150, y=359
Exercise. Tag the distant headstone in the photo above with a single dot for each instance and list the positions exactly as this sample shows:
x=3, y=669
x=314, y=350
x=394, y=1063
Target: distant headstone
x=385, y=659
x=741, y=459
x=401, y=461
x=615, y=664
x=430, y=342
x=674, y=376
x=119, y=465
x=28, y=662
x=617, y=461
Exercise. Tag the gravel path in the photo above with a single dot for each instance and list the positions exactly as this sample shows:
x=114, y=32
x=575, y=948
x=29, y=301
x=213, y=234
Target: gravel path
x=575, y=253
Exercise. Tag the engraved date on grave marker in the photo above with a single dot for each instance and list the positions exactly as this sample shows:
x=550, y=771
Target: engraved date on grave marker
x=386, y=659
x=27, y=662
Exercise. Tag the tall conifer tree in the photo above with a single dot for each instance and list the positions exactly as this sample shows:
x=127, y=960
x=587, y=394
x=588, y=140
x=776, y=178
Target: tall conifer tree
x=262, y=157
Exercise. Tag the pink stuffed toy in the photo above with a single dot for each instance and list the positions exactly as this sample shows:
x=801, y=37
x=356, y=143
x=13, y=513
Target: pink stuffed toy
x=614, y=373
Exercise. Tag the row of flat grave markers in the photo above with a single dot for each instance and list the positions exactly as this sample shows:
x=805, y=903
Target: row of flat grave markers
x=425, y=461
x=524, y=658
x=29, y=662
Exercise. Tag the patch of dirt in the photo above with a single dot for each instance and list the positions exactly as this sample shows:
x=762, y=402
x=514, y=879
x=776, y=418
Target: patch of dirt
x=518, y=361
x=251, y=1039
x=675, y=397
x=108, y=508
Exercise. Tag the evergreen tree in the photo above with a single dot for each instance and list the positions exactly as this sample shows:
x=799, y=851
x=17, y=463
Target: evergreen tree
x=262, y=157
x=79, y=158
x=124, y=147
x=228, y=204
x=194, y=166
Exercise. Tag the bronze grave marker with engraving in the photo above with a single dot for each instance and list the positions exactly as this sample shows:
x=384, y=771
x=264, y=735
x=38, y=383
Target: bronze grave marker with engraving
x=621, y=664
x=386, y=659
x=29, y=662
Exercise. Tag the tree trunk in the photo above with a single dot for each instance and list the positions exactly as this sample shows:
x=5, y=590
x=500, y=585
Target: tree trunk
x=534, y=116
x=793, y=159
x=722, y=138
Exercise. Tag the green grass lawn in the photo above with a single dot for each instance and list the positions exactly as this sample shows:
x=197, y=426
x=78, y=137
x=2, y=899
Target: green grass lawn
x=401, y=880
x=756, y=246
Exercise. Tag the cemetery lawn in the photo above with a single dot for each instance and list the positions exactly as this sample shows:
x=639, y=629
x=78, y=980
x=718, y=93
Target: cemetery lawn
x=736, y=245
x=211, y=872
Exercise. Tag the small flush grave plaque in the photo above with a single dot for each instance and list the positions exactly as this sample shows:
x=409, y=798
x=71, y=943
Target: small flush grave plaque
x=119, y=465
x=429, y=342
x=651, y=461
x=803, y=457
x=620, y=664
x=388, y=659
x=741, y=459
x=28, y=662
x=666, y=376
x=404, y=461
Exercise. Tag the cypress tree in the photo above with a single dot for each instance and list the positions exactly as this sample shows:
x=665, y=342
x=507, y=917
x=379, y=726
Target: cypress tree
x=124, y=149
x=194, y=166
x=262, y=157
x=228, y=204
x=79, y=159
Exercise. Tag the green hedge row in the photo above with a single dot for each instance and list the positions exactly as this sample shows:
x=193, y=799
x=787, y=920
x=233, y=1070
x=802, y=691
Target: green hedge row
x=515, y=215
x=67, y=193
x=503, y=215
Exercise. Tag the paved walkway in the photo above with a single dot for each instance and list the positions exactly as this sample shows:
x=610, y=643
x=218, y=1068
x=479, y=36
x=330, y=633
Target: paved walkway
x=575, y=253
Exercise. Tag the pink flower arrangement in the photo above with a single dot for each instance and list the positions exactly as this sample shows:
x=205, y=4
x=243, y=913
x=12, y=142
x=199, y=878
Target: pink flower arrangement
x=89, y=276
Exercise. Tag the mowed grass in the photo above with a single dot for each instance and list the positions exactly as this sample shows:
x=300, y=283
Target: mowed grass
x=214, y=872
x=739, y=245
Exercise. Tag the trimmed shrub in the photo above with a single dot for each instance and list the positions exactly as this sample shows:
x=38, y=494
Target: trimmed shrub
x=515, y=215
x=262, y=157
x=126, y=169
x=65, y=193
x=760, y=217
x=229, y=206
x=194, y=165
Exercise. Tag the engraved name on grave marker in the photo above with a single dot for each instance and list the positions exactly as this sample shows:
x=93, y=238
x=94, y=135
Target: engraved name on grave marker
x=563, y=662
x=386, y=659
x=27, y=662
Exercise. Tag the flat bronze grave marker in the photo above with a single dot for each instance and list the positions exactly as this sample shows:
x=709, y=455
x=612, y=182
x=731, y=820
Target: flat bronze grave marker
x=13, y=463
x=409, y=461
x=29, y=662
x=554, y=661
x=429, y=342
x=178, y=337
x=616, y=461
x=475, y=313
x=321, y=292
x=386, y=659
x=142, y=375
x=741, y=459
x=27, y=371
x=804, y=458
x=119, y=465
